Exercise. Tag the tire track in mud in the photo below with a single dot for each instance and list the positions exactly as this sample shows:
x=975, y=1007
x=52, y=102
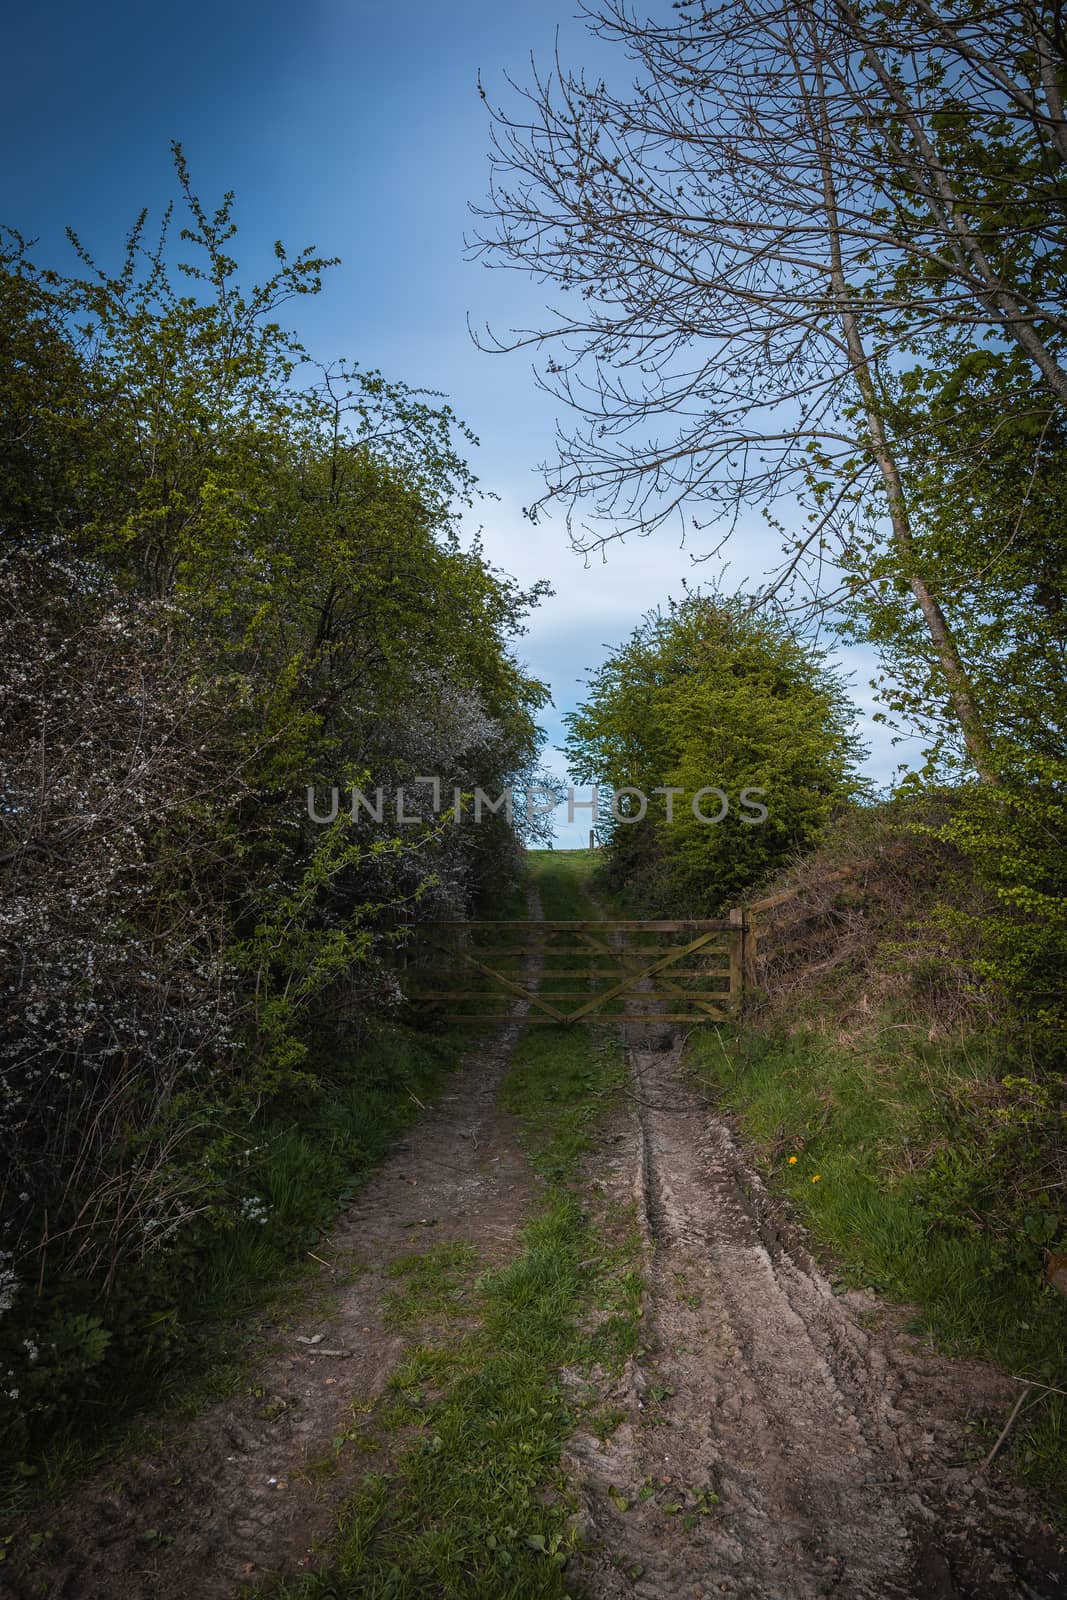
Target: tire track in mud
x=237, y=1495
x=783, y=1440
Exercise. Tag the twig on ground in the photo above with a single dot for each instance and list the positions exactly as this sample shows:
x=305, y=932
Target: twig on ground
x=1033, y=1383
x=1016, y=1408
x=680, y=1111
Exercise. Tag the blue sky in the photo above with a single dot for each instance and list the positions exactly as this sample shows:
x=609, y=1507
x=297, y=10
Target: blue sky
x=358, y=129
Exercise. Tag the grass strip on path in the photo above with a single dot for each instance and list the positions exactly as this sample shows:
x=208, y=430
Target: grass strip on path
x=478, y=1504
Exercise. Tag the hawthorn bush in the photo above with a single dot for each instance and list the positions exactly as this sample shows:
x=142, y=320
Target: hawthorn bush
x=229, y=575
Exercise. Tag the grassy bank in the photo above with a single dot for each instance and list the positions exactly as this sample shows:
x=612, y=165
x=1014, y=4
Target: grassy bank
x=478, y=1503
x=919, y=1164
x=178, y=1331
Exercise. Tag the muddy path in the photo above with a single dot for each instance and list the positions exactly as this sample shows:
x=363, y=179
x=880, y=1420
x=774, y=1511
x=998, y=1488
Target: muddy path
x=252, y=1487
x=782, y=1438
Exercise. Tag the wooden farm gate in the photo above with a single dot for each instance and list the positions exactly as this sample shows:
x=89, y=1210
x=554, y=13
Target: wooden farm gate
x=609, y=970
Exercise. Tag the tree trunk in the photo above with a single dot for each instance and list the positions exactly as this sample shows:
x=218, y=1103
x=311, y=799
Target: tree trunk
x=966, y=707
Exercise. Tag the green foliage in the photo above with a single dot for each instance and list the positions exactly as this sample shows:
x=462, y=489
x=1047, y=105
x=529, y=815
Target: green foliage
x=986, y=470
x=979, y=431
x=1014, y=835
x=985, y=456
x=714, y=693
x=47, y=401
x=83, y=1363
x=230, y=575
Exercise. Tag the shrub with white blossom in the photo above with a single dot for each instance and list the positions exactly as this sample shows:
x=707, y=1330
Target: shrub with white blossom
x=228, y=574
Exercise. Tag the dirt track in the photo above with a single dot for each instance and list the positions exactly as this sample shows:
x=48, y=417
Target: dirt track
x=782, y=1440
x=779, y=1440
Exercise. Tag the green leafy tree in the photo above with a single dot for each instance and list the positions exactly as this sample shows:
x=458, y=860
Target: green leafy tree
x=229, y=574
x=713, y=694
x=987, y=474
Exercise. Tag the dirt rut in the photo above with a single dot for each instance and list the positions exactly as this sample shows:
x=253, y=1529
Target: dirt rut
x=782, y=1439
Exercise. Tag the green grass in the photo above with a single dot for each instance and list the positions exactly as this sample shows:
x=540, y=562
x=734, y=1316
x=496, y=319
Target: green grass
x=478, y=1505
x=562, y=878
x=434, y=1284
x=917, y=1183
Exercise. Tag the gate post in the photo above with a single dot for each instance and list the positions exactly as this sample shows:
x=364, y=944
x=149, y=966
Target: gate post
x=737, y=954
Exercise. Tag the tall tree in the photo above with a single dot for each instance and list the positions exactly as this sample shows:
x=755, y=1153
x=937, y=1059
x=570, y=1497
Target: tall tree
x=755, y=236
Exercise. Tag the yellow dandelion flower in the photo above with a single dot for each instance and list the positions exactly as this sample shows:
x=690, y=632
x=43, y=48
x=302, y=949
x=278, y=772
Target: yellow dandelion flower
x=792, y=1161
x=815, y=1177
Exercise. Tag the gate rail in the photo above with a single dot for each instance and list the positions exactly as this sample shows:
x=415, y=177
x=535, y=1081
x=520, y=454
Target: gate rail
x=703, y=972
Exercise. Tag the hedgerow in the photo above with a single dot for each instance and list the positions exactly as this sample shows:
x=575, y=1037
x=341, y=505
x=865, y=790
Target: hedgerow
x=230, y=575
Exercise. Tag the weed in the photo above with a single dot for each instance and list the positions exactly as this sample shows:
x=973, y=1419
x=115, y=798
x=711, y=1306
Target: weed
x=602, y=1424
x=434, y=1283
